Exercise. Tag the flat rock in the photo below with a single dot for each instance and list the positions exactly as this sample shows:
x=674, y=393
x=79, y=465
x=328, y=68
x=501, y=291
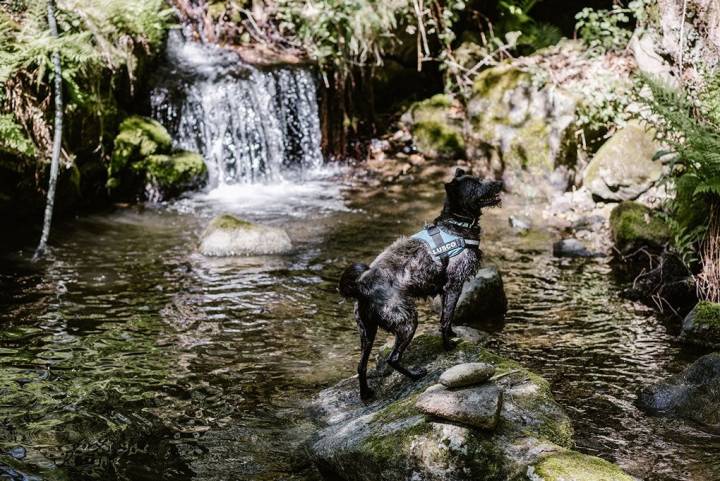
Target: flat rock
x=227, y=235
x=467, y=374
x=478, y=407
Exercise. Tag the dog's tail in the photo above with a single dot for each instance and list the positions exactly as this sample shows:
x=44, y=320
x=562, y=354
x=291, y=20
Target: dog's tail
x=349, y=280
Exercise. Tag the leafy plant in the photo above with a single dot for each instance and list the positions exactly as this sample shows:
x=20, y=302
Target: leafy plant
x=98, y=41
x=689, y=128
x=604, y=30
x=533, y=35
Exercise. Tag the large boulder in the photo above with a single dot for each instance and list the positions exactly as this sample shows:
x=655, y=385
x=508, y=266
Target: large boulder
x=144, y=164
x=392, y=437
x=436, y=125
x=702, y=325
x=693, y=394
x=227, y=235
x=482, y=299
x=623, y=168
x=634, y=226
x=523, y=130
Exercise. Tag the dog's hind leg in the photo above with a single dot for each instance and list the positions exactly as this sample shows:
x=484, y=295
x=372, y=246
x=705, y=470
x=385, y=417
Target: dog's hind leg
x=368, y=329
x=403, y=336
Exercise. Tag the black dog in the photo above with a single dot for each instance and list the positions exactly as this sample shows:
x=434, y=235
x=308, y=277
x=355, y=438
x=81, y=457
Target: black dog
x=435, y=261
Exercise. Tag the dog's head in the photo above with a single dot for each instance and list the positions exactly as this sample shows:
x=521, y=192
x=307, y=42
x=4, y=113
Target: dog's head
x=468, y=195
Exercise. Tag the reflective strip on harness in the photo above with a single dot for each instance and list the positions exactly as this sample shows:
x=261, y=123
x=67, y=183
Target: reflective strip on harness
x=443, y=244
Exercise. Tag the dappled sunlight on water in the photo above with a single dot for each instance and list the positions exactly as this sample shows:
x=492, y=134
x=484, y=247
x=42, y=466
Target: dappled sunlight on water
x=128, y=355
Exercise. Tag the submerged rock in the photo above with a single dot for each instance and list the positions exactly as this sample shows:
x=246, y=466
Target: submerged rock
x=693, y=394
x=227, y=235
x=571, y=248
x=467, y=374
x=392, y=438
x=482, y=299
x=634, y=226
x=477, y=407
x=623, y=168
x=702, y=325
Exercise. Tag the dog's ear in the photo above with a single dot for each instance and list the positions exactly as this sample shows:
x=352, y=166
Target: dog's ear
x=459, y=172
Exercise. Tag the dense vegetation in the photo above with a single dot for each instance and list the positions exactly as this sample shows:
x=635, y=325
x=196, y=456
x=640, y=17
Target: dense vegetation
x=367, y=52
x=103, y=47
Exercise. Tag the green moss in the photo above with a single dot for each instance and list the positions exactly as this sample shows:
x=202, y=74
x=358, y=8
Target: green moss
x=389, y=446
x=142, y=156
x=439, y=101
x=174, y=171
x=707, y=314
x=438, y=140
x=569, y=465
x=138, y=137
x=485, y=460
x=530, y=147
x=634, y=225
x=493, y=82
x=228, y=222
x=398, y=410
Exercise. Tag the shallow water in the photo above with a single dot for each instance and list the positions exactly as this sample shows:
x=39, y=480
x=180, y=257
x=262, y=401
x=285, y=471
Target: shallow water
x=128, y=356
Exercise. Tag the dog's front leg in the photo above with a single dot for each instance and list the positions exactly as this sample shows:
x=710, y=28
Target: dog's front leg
x=450, y=297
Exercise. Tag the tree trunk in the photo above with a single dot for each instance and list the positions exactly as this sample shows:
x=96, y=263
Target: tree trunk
x=708, y=281
x=57, y=139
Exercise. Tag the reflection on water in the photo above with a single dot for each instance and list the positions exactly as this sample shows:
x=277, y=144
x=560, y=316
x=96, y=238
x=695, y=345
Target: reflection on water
x=127, y=355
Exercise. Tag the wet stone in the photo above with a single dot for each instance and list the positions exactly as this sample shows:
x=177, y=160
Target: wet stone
x=477, y=407
x=467, y=374
x=571, y=248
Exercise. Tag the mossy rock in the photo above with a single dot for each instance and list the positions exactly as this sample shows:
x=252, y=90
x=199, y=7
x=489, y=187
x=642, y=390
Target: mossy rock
x=702, y=325
x=634, y=226
x=438, y=140
x=390, y=438
x=436, y=127
x=173, y=174
x=226, y=236
x=138, y=137
x=573, y=466
x=520, y=127
x=143, y=163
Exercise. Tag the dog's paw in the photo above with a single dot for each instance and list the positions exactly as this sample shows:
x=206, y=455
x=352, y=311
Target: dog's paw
x=450, y=344
x=367, y=394
x=418, y=373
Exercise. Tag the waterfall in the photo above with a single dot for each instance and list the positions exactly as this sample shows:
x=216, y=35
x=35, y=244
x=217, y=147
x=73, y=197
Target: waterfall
x=249, y=124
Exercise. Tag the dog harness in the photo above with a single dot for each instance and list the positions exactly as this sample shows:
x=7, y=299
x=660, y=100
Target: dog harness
x=444, y=244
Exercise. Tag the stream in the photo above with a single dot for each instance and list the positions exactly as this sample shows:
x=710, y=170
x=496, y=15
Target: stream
x=127, y=355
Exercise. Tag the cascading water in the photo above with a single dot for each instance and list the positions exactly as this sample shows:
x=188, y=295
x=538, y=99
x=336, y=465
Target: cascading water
x=250, y=125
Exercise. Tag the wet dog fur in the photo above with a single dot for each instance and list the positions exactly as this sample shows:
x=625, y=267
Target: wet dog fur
x=385, y=291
